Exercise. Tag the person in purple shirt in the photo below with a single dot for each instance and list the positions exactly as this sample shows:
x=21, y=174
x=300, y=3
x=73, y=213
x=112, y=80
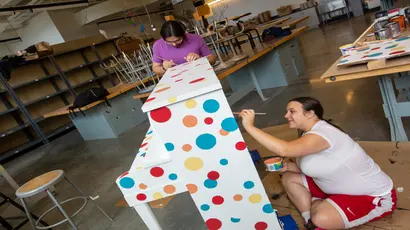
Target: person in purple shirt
x=177, y=47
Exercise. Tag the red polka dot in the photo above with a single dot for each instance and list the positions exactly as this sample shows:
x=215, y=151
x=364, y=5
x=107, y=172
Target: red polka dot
x=261, y=226
x=143, y=145
x=157, y=172
x=217, y=200
x=376, y=48
x=141, y=197
x=178, y=80
x=365, y=56
x=210, y=68
x=197, y=80
x=346, y=56
x=176, y=75
x=150, y=99
x=240, y=145
x=213, y=175
x=213, y=224
x=397, y=52
x=161, y=115
x=209, y=121
x=124, y=174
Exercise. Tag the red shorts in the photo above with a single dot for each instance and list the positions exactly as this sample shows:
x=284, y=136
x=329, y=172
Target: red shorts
x=355, y=210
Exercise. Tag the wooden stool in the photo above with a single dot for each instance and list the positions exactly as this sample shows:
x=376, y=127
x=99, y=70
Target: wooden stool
x=44, y=183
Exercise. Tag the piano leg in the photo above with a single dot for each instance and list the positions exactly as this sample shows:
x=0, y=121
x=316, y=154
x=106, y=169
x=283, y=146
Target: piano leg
x=145, y=212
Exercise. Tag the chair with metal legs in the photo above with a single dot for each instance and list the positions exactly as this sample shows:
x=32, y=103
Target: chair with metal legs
x=43, y=183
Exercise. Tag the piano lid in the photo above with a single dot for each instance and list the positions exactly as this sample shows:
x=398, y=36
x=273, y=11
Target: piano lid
x=183, y=82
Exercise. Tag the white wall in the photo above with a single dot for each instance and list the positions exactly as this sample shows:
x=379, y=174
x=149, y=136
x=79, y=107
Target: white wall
x=69, y=28
x=117, y=27
x=230, y=8
x=38, y=28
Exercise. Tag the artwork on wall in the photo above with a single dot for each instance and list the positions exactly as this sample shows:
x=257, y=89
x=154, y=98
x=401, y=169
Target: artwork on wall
x=194, y=144
x=385, y=50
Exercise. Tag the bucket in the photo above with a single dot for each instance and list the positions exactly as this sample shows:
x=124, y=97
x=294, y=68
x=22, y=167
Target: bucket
x=274, y=164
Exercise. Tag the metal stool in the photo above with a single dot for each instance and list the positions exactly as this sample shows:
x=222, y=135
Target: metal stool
x=44, y=183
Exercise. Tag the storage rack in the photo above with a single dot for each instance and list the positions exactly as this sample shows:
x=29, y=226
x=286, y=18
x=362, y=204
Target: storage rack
x=46, y=84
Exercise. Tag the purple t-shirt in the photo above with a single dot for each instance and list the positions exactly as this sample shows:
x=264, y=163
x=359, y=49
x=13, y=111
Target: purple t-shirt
x=192, y=44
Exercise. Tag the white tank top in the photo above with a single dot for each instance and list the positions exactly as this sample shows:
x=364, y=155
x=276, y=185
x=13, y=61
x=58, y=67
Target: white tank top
x=344, y=168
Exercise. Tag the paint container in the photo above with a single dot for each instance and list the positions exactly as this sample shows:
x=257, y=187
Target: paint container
x=401, y=20
x=381, y=14
x=407, y=15
x=380, y=24
x=274, y=164
x=394, y=29
x=382, y=34
x=345, y=48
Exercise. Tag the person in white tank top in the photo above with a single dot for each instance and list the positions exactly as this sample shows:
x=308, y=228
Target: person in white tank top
x=334, y=184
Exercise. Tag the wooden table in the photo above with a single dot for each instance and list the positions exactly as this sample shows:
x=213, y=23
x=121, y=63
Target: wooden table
x=394, y=71
x=102, y=121
x=273, y=57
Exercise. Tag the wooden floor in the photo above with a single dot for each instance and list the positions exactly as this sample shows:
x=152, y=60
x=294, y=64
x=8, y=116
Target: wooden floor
x=383, y=153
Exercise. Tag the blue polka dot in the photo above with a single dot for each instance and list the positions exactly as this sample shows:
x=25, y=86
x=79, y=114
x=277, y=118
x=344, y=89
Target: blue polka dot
x=206, y=141
x=208, y=183
x=392, y=46
x=248, y=184
x=229, y=124
x=343, y=61
x=172, y=176
x=402, y=39
x=149, y=132
x=223, y=161
x=235, y=220
x=267, y=208
x=375, y=54
x=127, y=182
x=211, y=106
x=205, y=207
x=143, y=155
x=169, y=146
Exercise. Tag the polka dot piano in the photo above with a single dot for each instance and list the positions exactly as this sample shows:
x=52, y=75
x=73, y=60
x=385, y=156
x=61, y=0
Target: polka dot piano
x=194, y=144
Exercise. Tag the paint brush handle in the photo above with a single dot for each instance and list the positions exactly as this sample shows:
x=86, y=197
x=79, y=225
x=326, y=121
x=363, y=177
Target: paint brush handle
x=261, y=114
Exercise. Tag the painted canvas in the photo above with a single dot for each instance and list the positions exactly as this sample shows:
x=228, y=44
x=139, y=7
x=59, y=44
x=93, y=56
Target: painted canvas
x=200, y=149
x=386, y=50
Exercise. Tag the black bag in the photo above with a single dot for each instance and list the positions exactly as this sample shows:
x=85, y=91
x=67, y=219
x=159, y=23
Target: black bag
x=275, y=32
x=88, y=97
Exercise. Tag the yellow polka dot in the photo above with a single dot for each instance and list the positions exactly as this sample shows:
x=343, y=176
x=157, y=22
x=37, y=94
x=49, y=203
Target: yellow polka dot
x=139, y=167
x=142, y=186
x=159, y=85
x=172, y=99
x=148, y=138
x=190, y=104
x=157, y=195
x=194, y=163
x=255, y=198
x=398, y=48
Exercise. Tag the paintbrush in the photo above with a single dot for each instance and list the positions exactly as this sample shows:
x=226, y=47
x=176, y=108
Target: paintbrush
x=261, y=114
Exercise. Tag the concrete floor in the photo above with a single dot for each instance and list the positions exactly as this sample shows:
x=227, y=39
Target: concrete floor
x=94, y=165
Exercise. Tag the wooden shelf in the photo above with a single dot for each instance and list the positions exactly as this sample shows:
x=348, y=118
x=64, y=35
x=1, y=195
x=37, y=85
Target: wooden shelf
x=11, y=153
x=60, y=81
x=46, y=97
x=15, y=129
x=34, y=81
x=9, y=111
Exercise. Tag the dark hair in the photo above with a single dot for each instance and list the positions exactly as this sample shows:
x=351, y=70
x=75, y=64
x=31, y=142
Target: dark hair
x=172, y=28
x=311, y=103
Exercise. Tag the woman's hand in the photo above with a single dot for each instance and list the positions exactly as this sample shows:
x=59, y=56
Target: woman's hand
x=192, y=57
x=285, y=167
x=168, y=64
x=248, y=118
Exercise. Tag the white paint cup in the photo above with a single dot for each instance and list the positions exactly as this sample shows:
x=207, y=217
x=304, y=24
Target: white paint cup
x=274, y=164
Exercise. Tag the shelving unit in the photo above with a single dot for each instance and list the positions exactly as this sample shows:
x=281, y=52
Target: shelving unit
x=46, y=84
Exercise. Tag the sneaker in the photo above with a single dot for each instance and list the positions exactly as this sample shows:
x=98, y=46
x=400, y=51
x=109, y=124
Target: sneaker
x=310, y=226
